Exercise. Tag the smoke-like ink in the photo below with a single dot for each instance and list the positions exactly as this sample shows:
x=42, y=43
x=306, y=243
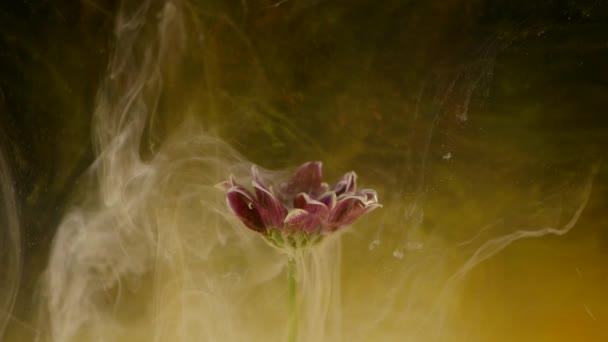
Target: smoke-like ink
x=153, y=234
x=147, y=250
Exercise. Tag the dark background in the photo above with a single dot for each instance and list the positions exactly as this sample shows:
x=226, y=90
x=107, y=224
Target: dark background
x=548, y=56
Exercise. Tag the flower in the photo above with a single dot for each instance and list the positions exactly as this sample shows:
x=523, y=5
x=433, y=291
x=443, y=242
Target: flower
x=303, y=209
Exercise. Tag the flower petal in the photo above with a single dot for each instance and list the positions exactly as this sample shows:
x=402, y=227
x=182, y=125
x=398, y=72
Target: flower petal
x=295, y=217
x=324, y=188
x=344, y=205
x=346, y=184
x=314, y=207
x=329, y=199
x=299, y=219
x=350, y=207
x=306, y=179
x=371, y=196
x=274, y=211
x=356, y=211
x=243, y=205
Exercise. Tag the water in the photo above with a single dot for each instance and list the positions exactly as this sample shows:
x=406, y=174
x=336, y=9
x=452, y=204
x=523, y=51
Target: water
x=480, y=126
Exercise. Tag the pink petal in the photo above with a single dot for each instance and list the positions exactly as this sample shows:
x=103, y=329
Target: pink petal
x=346, y=184
x=329, y=199
x=371, y=196
x=344, y=205
x=306, y=179
x=350, y=207
x=295, y=217
x=300, y=219
x=323, y=188
x=357, y=211
x=243, y=205
x=274, y=211
x=314, y=207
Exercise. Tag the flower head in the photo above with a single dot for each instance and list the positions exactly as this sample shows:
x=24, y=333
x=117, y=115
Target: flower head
x=303, y=209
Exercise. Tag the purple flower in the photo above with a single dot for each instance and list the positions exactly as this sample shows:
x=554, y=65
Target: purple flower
x=303, y=206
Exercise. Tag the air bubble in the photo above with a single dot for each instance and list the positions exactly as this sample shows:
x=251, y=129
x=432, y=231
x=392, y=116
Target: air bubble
x=372, y=245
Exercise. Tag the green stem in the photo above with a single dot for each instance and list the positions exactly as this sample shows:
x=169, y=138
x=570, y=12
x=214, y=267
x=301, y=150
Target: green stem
x=293, y=317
